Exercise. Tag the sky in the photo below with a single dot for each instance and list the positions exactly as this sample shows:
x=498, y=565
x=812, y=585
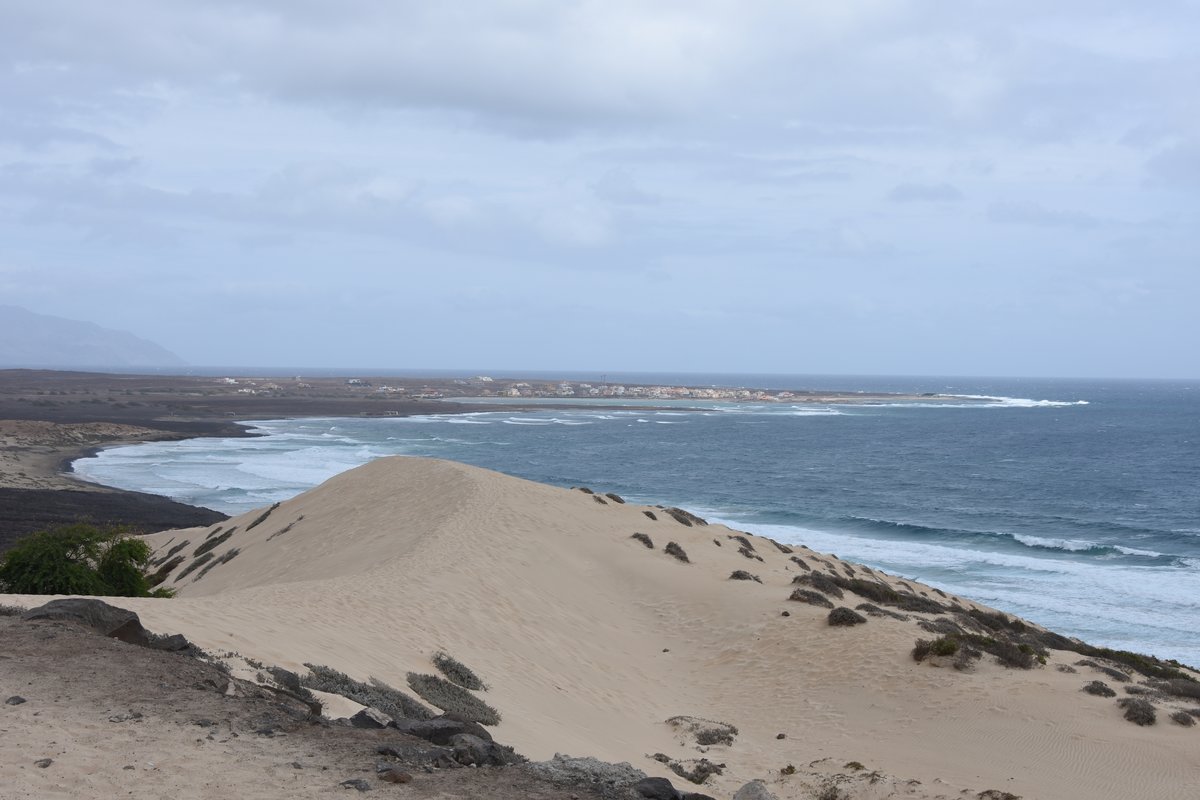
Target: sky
x=761, y=186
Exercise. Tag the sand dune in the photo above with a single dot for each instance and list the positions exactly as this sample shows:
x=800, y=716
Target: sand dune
x=589, y=641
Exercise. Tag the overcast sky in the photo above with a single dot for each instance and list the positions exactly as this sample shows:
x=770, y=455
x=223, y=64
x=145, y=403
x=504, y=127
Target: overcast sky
x=861, y=186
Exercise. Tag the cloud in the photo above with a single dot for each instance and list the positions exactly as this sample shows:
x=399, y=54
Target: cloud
x=1031, y=213
x=925, y=193
x=1177, y=165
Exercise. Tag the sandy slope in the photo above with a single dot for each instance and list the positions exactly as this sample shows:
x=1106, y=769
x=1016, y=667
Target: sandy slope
x=590, y=641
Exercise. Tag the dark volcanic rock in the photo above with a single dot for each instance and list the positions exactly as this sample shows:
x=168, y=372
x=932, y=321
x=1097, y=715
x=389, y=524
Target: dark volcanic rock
x=370, y=718
x=441, y=729
x=23, y=511
x=471, y=750
x=107, y=620
x=15, y=700
x=356, y=783
x=656, y=789
x=174, y=643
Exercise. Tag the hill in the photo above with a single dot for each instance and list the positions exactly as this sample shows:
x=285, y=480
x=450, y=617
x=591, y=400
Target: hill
x=43, y=341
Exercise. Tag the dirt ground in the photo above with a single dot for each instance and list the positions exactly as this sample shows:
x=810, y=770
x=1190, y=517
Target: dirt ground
x=118, y=720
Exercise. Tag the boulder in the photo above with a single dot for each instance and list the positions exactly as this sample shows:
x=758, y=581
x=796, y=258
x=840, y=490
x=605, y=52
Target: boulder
x=587, y=771
x=656, y=789
x=440, y=730
x=370, y=718
x=754, y=790
x=108, y=620
x=471, y=750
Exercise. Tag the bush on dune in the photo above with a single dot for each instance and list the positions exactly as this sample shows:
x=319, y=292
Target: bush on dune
x=79, y=559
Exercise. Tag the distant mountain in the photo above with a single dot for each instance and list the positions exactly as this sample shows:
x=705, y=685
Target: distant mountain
x=42, y=341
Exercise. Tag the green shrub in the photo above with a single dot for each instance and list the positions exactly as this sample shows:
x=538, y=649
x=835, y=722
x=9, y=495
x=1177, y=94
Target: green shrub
x=78, y=559
x=452, y=698
x=1100, y=689
x=941, y=646
x=458, y=672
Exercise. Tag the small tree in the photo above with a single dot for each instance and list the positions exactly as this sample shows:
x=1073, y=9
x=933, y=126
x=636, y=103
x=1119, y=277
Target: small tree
x=78, y=559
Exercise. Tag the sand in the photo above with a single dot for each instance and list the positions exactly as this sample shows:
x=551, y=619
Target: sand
x=589, y=642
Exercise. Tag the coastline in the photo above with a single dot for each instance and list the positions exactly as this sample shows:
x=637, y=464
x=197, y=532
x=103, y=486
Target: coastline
x=50, y=419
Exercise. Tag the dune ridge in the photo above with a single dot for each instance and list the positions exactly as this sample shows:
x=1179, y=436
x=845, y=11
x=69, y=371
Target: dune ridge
x=590, y=641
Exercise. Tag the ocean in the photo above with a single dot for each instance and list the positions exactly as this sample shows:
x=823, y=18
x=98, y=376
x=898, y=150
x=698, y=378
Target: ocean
x=1075, y=504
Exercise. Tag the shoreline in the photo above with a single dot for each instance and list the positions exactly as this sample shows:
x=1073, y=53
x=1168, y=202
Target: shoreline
x=50, y=419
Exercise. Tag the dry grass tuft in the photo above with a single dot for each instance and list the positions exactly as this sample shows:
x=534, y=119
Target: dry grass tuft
x=452, y=698
x=673, y=549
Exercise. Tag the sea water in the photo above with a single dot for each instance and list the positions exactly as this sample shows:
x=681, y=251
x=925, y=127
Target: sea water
x=1072, y=503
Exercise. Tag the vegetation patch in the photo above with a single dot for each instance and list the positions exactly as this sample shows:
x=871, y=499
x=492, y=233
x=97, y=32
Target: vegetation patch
x=196, y=562
x=845, y=617
x=783, y=548
x=684, y=517
x=750, y=554
x=616, y=498
x=376, y=694
x=599, y=499
x=673, y=549
x=285, y=528
x=208, y=545
x=742, y=575
x=995, y=621
x=1183, y=718
x=875, y=611
x=215, y=531
x=1099, y=688
x=821, y=582
x=943, y=626
x=650, y=514
x=224, y=558
x=801, y=563
x=1112, y=672
x=1178, y=688
x=742, y=540
x=171, y=553
x=452, y=698
x=644, y=539
x=696, y=770
x=706, y=732
x=79, y=559
x=262, y=517
x=942, y=646
x=458, y=672
x=163, y=571
x=584, y=489
x=811, y=597
x=11, y=611
x=1138, y=711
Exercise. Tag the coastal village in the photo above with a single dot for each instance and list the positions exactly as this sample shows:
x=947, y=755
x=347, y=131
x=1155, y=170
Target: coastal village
x=487, y=386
